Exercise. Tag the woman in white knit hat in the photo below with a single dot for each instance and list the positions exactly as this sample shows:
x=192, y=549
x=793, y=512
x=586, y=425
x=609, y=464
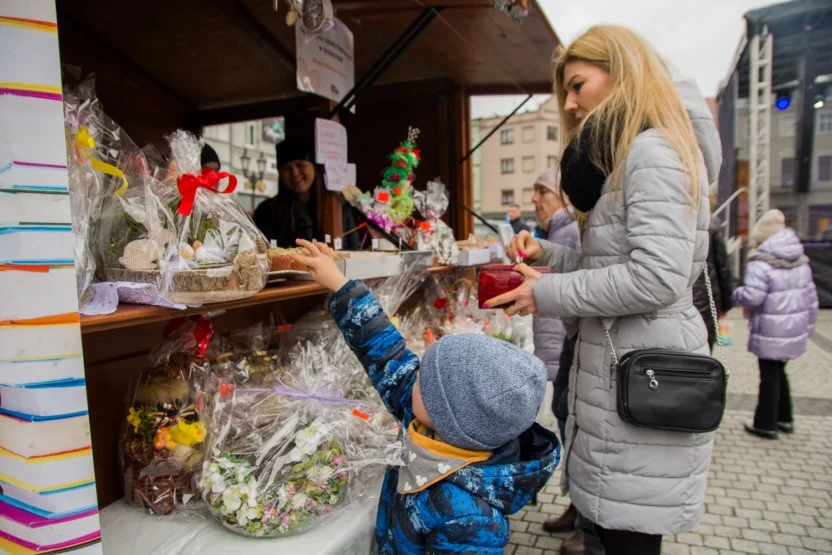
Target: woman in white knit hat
x=780, y=298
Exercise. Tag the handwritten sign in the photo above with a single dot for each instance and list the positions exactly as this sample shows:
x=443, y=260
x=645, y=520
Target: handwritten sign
x=326, y=64
x=330, y=142
x=339, y=176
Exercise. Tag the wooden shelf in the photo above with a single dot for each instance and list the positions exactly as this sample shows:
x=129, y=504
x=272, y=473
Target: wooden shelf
x=128, y=315
x=135, y=314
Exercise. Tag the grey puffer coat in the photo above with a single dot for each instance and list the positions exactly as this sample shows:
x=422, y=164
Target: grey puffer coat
x=644, y=246
x=549, y=333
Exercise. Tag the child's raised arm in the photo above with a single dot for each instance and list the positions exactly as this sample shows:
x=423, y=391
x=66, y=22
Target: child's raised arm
x=368, y=332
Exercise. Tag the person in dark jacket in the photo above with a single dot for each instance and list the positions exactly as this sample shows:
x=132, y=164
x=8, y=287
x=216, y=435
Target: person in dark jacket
x=473, y=452
x=515, y=218
x=722, y=283
x=209, y=159
x=296, y=211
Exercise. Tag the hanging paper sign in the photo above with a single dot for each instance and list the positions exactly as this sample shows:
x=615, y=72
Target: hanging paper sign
x=330, y=142
x=325, y=62
x=339, y=176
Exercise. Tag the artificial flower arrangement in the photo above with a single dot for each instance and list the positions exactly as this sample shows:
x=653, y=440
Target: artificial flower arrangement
x=283, y=457
x=390, y=205
x=163, y=436
x=182, y=231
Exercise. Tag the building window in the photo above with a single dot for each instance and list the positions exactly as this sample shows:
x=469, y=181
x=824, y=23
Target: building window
x=528, y=134
x=507, y=136
x=527, y=196
x=788, y=125
x=251, y=134
x=528, y=164
x=787, y=172
x=507, y=165
x=508, y=197
x=552, y=133
x=551, y=161
x=824, y=168
x=825, y=124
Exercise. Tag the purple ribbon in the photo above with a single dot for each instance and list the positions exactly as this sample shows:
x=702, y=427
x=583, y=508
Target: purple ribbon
x=328, y=393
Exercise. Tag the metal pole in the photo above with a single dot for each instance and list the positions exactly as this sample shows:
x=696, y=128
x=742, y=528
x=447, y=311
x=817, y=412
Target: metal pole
x=388, y=57
x=502, y=123
x=481, y=219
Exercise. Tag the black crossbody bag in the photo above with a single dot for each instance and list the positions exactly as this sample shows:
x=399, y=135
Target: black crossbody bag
x=672, y=390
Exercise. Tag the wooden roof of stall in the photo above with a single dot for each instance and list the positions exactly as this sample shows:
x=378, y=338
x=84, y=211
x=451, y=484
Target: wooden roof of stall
x=212, y=54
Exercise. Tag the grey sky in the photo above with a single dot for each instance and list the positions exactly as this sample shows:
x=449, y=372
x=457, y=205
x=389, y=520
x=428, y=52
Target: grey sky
x=698, y=37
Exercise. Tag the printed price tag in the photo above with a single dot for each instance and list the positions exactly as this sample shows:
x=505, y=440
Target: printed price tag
x=338, y=244
x=375, y=244
x=274, y=243
x=327, y=239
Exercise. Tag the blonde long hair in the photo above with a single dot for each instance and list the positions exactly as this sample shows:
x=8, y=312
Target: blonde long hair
x=642, y=96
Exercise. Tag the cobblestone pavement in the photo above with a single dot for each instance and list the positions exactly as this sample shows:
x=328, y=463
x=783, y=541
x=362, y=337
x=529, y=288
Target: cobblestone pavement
x=768, y=497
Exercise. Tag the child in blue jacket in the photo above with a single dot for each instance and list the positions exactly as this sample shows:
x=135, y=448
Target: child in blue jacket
x=473, y=452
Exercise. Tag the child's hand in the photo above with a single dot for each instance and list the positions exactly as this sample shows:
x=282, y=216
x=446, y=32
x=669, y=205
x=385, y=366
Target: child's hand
x=318, y=259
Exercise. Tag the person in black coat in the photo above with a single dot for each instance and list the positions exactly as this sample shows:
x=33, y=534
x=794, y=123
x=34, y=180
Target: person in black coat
x=515, y=218
x=295, y=213
x=722, y=282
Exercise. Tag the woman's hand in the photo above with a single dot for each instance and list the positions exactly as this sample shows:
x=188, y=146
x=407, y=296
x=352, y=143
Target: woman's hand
x=521, y=300
x=318, y=258
x=524, y=246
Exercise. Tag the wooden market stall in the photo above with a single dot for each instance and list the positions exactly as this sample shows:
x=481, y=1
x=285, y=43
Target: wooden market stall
x=162, y=65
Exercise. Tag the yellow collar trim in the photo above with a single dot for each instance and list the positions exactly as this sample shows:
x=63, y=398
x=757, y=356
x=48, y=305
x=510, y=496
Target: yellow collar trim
x=414, y=431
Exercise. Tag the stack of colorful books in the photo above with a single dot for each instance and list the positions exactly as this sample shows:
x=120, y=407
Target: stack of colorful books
x=47, y=482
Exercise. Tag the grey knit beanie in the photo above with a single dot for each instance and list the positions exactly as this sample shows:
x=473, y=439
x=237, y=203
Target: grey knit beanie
x=480, y=392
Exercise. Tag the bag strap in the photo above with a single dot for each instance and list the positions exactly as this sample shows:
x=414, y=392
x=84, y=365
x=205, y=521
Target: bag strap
x=714, y=316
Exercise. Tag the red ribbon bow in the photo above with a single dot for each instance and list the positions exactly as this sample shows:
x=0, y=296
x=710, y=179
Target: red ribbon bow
x=189, y=184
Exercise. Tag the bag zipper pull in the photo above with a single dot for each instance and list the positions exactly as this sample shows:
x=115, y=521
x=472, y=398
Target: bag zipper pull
x=654, y=383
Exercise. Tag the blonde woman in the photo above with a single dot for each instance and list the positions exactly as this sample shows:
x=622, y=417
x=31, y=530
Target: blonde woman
x=634, y=168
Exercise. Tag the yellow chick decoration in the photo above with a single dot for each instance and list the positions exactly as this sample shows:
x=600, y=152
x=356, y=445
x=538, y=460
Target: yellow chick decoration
x=187, y=434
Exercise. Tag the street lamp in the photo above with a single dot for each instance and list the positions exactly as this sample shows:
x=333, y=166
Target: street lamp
x=254, y=178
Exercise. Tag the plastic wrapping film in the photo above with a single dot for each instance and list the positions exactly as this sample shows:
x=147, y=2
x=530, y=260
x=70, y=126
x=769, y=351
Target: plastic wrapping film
x=433, y=234
x=318, y=327
x=218, y=254
x=95, y=145
x=289, y=450
x=450, y=307
x=163, y=436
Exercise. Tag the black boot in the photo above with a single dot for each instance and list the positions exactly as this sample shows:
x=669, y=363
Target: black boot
x=767, y=434
x=562, y=523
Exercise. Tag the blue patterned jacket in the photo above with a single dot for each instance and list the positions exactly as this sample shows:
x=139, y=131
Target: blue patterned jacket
x=466, y=512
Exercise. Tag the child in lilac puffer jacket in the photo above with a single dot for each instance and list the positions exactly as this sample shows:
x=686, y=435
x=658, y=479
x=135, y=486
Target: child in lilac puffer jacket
x=780, y=295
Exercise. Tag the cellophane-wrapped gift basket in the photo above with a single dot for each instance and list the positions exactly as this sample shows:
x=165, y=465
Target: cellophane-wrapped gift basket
x=182, y=231
x=163, y=436
x=288, y=451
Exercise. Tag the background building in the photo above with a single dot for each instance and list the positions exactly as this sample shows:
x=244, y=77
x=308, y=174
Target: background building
x=257, y=139
x=510, y=161
x=782, y=165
